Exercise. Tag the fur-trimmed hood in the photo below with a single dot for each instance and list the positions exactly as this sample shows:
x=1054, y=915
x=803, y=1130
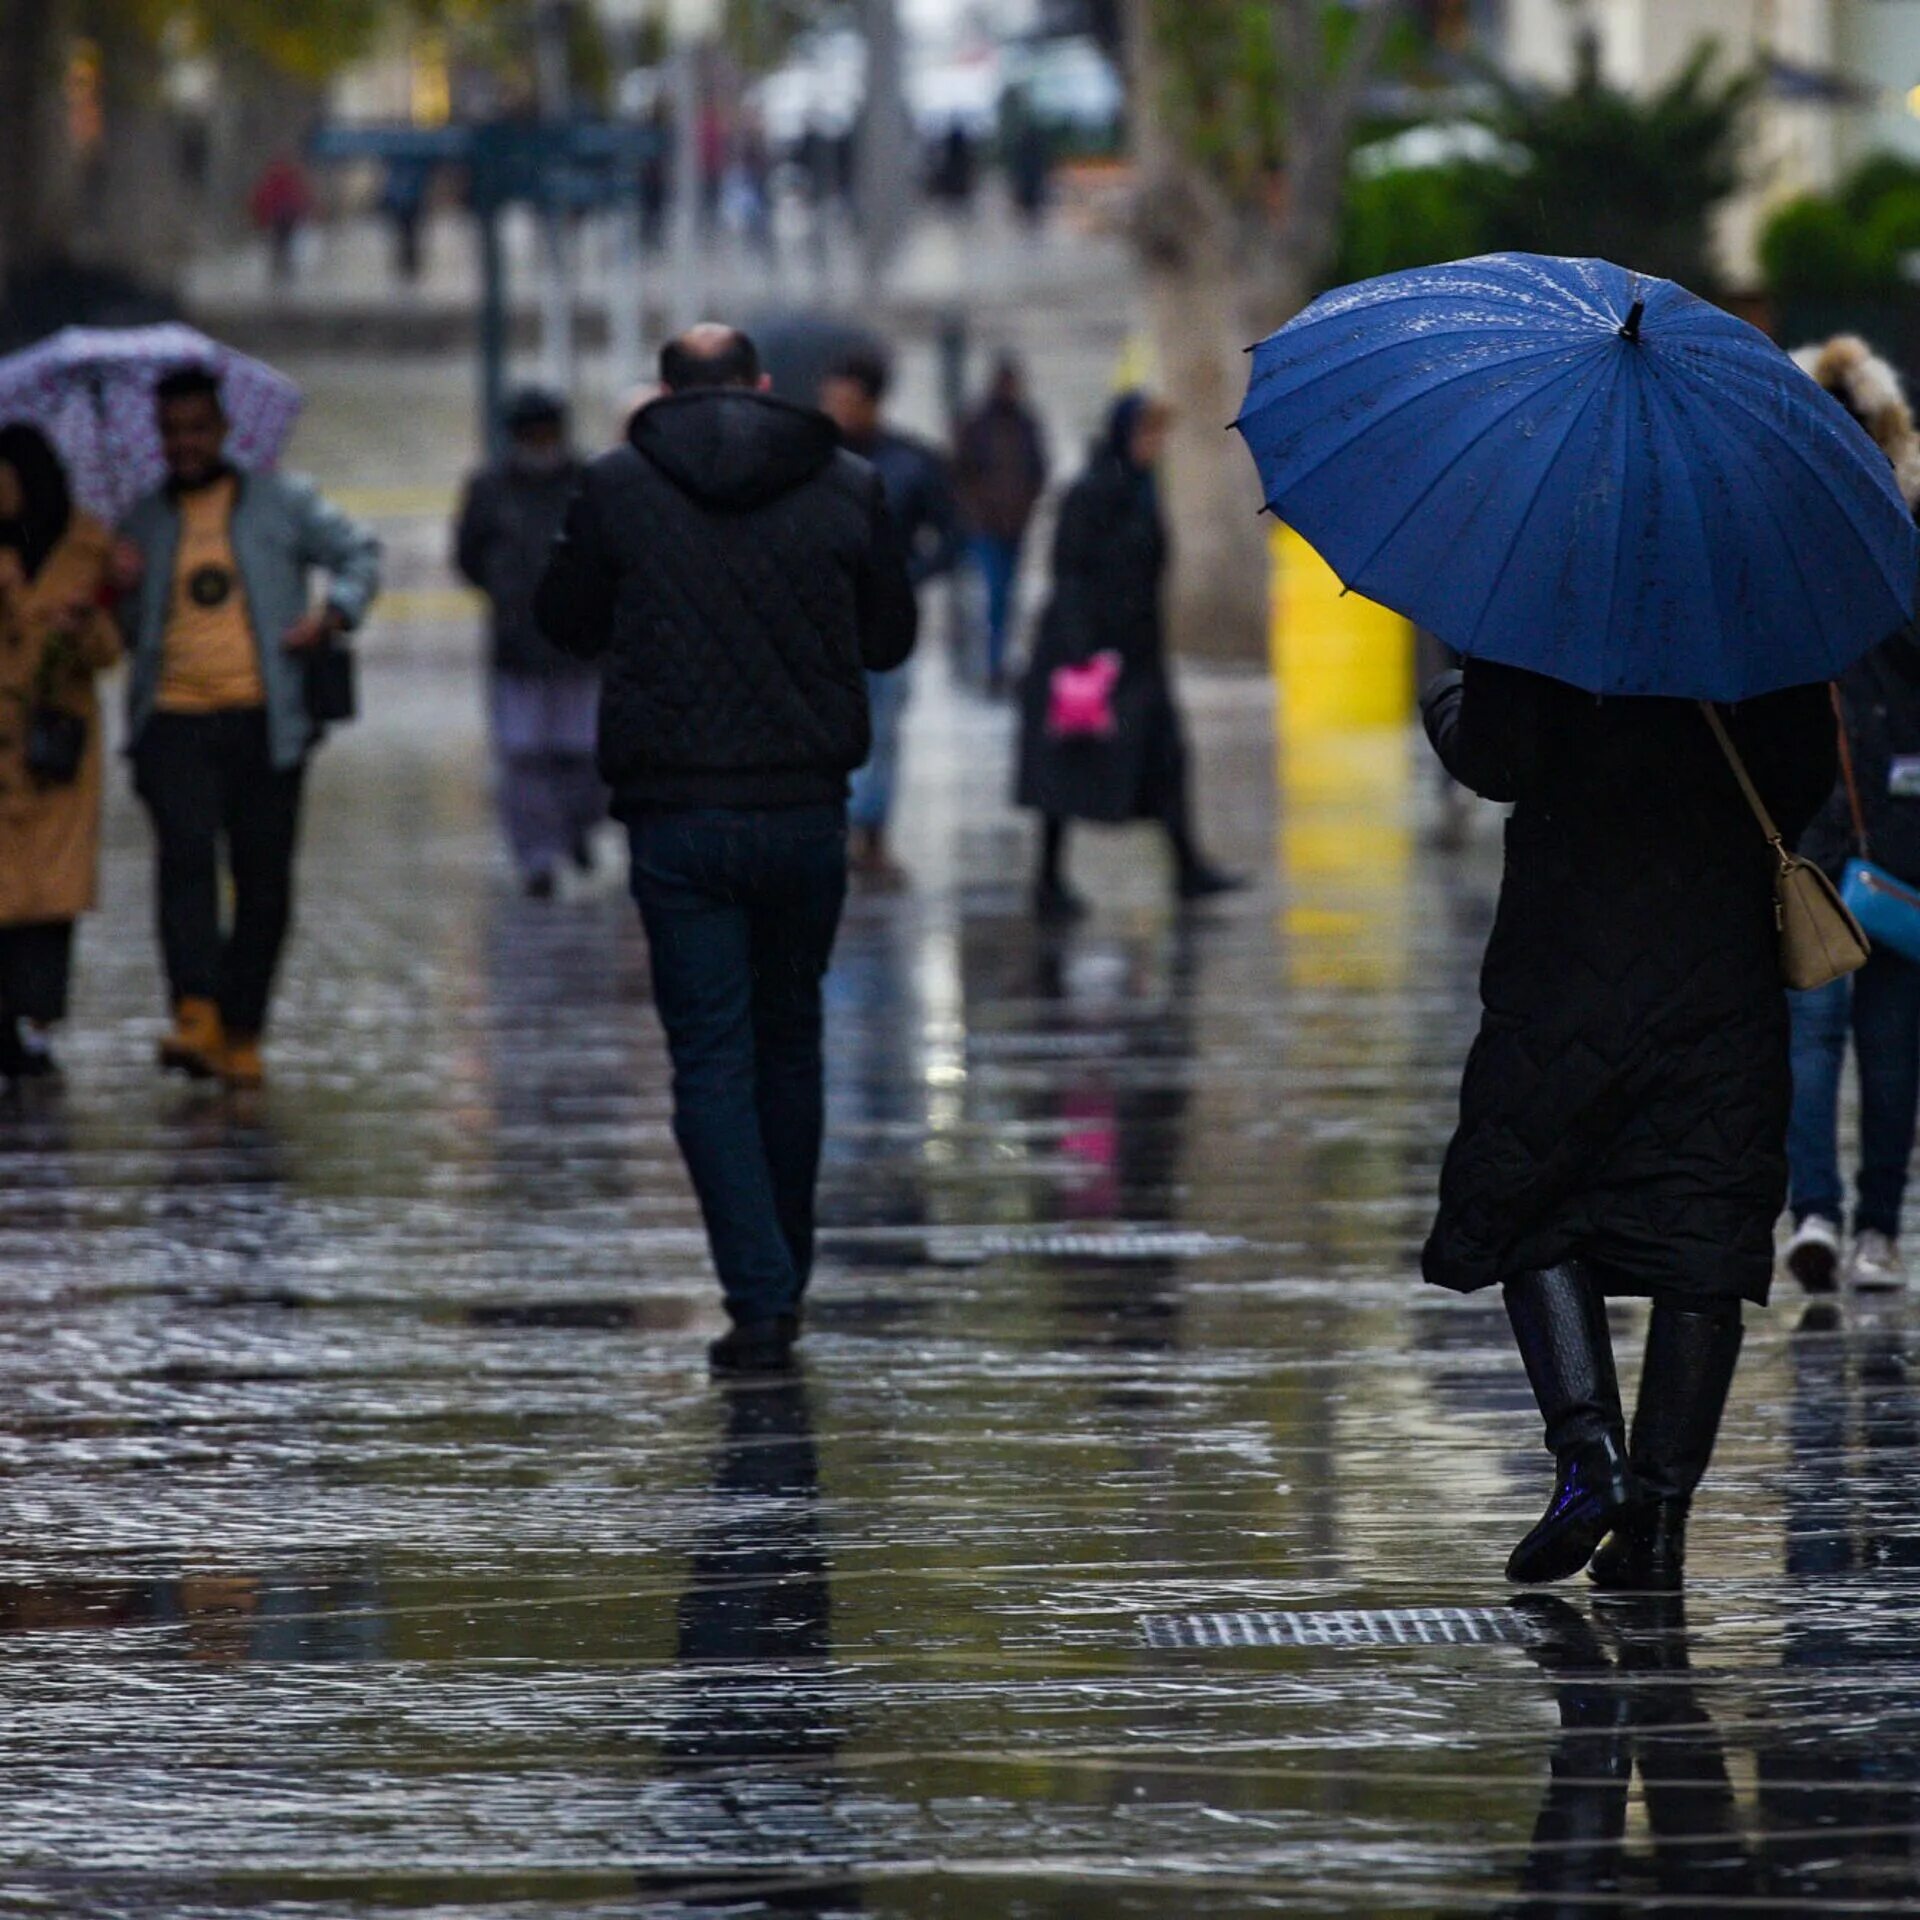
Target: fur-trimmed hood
x=1870, y=390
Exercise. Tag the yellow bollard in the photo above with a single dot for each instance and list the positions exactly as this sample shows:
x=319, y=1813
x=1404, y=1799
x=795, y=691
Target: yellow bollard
x=1338, y=660
x=1343, y=681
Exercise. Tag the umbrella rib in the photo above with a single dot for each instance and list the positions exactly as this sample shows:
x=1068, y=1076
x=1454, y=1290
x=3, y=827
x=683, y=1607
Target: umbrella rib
x=1374, y=421
x=1520, y=527
x=1399, y=346
x=1794, y=447
x=1427, y=492
x=1766, y=501
x=1700, y=523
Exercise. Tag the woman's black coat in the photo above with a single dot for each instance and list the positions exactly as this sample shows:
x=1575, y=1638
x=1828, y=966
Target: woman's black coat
x=1881, y=699
x=1109, y=567
x=1626, y=1102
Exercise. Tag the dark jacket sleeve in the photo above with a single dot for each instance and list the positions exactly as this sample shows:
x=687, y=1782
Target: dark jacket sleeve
x=473, y=531
x=935, y=534
x=574, y=603
x=1475, y=730
x=889, y=608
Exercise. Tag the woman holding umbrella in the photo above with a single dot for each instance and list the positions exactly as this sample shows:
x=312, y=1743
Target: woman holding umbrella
x=58, y=575
x=1652, y=538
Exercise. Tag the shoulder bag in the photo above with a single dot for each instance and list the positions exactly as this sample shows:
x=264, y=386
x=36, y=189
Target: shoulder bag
x=1886, y=907
x=333, y=693
x=1820, y=940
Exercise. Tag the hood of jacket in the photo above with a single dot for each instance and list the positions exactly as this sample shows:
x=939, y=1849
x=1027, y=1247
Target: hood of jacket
x=731, y=448
x=1870, y=390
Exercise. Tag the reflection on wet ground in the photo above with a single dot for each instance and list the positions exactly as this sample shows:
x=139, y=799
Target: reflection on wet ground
x=371, y=1538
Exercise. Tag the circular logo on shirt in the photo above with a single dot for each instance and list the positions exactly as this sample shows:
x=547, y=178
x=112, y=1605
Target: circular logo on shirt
x=210, y=586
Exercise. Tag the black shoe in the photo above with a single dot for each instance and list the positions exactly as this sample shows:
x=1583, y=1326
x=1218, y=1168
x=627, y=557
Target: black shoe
x=756, y=1346
x=1056, y=905
x=1647, y=1551
x=1202, y=882
x=542, y=885
x=1684, y=1385
x=1560, y=1326
x=1595, y=1487
x=581, y=853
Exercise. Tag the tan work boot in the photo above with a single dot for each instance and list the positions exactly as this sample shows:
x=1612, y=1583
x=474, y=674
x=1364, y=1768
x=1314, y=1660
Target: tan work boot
x=197, y=1045
x=243, y=1067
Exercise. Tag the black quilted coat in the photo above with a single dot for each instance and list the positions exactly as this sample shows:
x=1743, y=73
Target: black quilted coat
x=1626, y=1101
x=739, y=573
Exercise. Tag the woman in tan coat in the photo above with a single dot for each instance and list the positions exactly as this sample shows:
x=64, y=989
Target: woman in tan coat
x=58, y=573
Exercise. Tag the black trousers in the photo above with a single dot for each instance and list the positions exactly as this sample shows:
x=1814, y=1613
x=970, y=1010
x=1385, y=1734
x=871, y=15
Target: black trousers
x=210, y=785
x=36, y=963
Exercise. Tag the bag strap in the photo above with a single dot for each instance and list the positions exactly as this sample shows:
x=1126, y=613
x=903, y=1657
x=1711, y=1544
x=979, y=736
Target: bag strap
x=1747, y=787
x=1846, y=772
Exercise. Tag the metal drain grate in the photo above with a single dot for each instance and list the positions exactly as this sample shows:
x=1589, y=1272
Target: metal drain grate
x=1349, y=1627
x=1123, y=1245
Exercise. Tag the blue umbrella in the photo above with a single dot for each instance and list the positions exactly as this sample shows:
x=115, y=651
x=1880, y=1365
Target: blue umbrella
x=1586, y=472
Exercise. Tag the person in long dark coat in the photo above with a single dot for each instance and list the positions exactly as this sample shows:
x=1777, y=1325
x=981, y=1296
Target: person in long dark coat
x=1110, y=559
x=1623, y=1118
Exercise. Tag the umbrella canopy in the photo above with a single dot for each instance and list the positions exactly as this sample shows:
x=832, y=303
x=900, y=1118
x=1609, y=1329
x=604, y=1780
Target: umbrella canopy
x=799, y=349
x=90, y=389
x=1583, y=471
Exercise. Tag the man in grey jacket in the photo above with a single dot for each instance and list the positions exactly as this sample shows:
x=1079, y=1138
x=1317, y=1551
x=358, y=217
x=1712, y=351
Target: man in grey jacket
x=221, y=633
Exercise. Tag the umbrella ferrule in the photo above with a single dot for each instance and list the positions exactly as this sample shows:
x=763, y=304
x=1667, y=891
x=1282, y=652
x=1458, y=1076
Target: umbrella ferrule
x=1630, y=329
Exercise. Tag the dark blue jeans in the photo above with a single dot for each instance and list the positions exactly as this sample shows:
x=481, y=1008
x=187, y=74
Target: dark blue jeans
x=1880, y=1008
x=741, y=909
x=999, y=563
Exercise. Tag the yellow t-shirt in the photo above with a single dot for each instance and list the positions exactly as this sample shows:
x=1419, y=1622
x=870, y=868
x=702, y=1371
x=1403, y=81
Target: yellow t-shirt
x=209, y=662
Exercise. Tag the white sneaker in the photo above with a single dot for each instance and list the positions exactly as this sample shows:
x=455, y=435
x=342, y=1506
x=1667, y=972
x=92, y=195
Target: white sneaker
x=1876, y=1266
x=1813, y=1254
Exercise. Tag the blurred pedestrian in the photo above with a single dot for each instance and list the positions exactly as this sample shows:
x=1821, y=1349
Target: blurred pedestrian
x=1000, y=472
x=920, y=497
x=736, y=571
x=1100, y=735
x=954, y=172
x=1029, y=161
x=224, y=639
x=1624, y=1108
x=545, y=703
x=281, y=204
x=59, y=572
x=1879, y=1007
x=403, y=200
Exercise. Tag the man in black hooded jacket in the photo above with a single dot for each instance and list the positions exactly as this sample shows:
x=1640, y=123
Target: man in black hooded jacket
x=739, y=576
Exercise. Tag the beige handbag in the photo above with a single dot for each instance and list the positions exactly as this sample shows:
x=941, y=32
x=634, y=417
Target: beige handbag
x=1820, y=941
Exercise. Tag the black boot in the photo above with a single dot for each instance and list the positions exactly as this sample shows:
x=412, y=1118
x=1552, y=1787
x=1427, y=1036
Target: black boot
x=1560, y=1325
x=1054, y=902
x=1684, y=1385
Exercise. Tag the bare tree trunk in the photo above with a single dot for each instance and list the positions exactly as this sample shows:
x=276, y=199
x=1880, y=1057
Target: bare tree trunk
x=1195, y=281
x=884, y=165
x=32, y=217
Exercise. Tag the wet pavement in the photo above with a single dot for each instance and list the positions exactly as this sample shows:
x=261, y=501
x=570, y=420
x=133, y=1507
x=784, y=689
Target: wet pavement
x=372, y=1539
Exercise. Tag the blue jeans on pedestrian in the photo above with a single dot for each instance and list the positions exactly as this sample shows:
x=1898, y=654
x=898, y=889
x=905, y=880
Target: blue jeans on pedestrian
x=1880, y=1008
x=874, y=785
x=998, y=561
x=741, y=909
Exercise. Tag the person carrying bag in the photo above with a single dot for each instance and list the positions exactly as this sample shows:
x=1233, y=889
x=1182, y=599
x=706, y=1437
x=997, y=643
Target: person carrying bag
x=1867, y=841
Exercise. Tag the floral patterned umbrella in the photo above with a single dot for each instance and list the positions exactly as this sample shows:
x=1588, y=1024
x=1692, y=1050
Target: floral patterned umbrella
x=90, y=390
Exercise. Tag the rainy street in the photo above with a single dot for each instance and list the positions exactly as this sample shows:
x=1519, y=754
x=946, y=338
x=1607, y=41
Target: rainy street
x=373, y=1538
